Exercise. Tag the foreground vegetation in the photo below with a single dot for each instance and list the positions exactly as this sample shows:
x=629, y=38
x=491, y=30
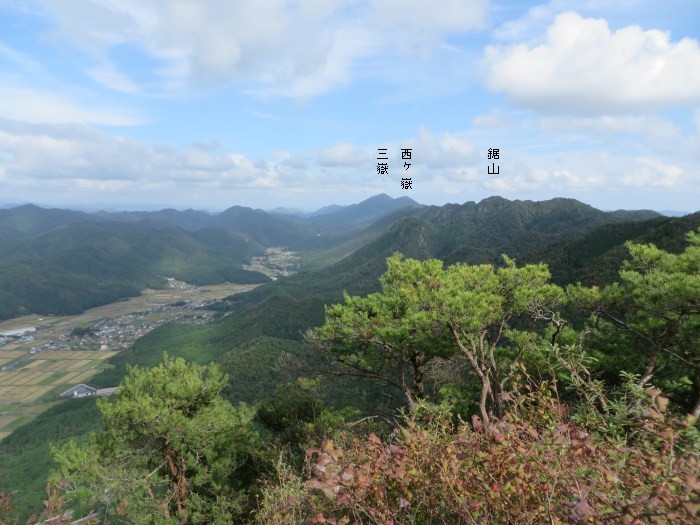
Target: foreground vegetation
x=520, y=401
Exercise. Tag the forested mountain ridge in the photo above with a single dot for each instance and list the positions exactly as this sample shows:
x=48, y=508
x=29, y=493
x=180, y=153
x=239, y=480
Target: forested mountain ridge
x=361, y=214
x=286, y=308
x=63, y=262
x=135, y=250
x=521, y=421
x=271, y=320
x=74, y=267
x=595, y=257
x=470, y=232
x=25, y=221
x=270, y=229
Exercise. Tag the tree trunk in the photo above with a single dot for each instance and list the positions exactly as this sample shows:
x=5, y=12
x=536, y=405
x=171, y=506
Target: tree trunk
x=179, y=484
x=649, y=371
x=485, y=391
x=696, y=409
x=418, y=375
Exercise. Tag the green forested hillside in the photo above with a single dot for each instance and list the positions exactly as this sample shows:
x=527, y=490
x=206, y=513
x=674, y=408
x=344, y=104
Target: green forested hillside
x=25, y=455
x=62, y=262
x=595, y=258
x=75, y=267
x=262, y=331
x=470, y=232
x=28, y=220
x=507, y=413
x=362, y=214
x=287, y=308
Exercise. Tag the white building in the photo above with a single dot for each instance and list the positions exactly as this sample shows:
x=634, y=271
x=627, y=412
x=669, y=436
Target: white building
x=83, y=390
x=18, y=332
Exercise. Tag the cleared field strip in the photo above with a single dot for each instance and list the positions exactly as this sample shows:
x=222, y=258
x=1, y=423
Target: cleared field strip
x=7, y=356
x=46, y=373
x=83, y=376
x=6, y=407
x=52, y=379
x=6, y=420
x=10, y=378
x=34, y=364
x=23, y=393
x=71, y=377
x=32, y=393
x=38, y=382
x=5, y=360
x=76, y=355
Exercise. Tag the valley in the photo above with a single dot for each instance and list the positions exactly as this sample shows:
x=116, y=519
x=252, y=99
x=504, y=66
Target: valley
x=68, y=350
x=276, y=261
x=119, y=290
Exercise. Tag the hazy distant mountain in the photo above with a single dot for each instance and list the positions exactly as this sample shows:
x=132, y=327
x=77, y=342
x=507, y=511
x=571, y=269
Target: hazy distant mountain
x=331, y=208
x=334, y=219
x=674, y=213
x=60, y=261
x=189, y=220
x=63, y=261
x=267, y=228
x=634, y=215
x=27, y=220
x=280, y=210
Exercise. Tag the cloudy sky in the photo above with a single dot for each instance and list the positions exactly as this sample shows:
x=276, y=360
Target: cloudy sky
x=263, y=103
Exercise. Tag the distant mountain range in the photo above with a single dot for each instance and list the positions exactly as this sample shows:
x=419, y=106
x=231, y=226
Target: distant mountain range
x=559, y=232
x=266, y=228
x=63, y=261
x=674, y=213
x=55, y=261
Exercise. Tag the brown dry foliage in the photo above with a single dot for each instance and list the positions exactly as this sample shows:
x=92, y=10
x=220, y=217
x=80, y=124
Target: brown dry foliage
x=533, y=466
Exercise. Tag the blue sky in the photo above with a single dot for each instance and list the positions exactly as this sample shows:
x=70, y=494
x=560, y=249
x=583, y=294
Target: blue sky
x=209, y=103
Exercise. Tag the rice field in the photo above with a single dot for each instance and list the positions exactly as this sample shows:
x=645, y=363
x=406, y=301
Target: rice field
x=25, y=391
x=34, y=382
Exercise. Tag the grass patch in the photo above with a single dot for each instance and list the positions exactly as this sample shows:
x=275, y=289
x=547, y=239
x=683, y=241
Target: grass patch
x=53, y=377
x=18, y=423
x=35, y=408
x=55, y=392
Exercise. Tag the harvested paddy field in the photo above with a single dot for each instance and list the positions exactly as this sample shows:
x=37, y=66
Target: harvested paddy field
x=34, y=372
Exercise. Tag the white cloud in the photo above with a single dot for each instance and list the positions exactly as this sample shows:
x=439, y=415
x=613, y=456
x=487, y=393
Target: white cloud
x=653, y=173
x=105, y=167
x=608, y=177
x=519, y=177
x=343, y=154
x=612, y=124
x=21, y=60
x=89, y=165
x=108, y=76
x=19, y=101
x=295, y=48
x=584, y=68
x=77, y=152
x=535, y=21
x=644, y=132
x=446, y=150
